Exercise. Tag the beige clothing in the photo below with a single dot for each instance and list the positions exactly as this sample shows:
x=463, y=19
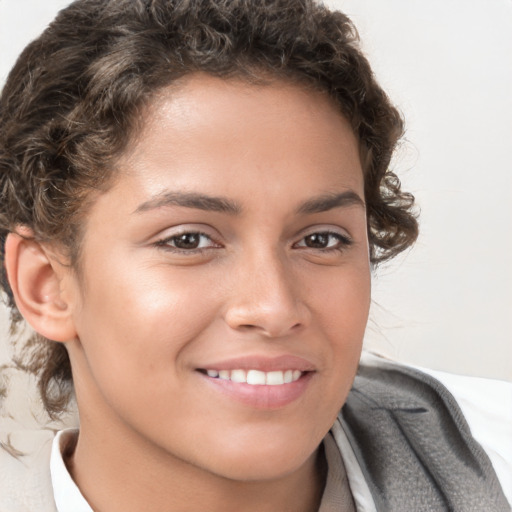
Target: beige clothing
x=337, y=495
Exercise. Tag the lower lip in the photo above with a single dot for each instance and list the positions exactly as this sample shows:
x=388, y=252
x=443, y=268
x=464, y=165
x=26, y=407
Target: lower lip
x=262, y=396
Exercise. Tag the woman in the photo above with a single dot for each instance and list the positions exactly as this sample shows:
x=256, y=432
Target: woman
x=193, y=196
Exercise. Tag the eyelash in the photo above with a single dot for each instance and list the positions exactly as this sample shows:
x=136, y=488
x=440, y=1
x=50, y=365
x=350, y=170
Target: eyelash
x=343, y=242
x=165, y=243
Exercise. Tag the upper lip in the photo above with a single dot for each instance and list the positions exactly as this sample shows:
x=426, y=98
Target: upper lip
x=262, y=363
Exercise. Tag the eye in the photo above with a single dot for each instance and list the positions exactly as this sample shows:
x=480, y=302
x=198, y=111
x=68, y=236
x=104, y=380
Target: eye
x=325, y=240
x=188, y=241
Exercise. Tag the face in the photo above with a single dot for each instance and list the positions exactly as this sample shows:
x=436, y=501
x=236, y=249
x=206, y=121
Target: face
x=225, y=280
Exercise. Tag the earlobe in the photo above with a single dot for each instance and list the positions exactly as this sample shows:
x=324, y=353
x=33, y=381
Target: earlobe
x=36, y=280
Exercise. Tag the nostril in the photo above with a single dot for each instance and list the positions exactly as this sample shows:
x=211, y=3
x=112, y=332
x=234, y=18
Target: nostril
x=247, y=327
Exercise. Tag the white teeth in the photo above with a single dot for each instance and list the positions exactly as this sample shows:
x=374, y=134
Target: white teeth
x=238, y=376
x=275, y=378
x=257, y=377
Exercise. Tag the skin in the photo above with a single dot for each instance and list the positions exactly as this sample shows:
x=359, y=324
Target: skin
x=146, y=314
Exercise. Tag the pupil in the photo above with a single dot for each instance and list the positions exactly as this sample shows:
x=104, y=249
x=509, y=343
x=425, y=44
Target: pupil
x=318, y=240
x=187, y=241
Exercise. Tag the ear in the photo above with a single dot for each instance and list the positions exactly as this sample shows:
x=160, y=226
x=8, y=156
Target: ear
x=38, y=282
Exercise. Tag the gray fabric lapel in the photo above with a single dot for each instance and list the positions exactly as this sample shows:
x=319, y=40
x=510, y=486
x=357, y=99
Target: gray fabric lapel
x=414, y=445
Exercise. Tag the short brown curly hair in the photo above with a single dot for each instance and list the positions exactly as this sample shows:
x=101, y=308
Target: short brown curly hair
x=74, y=100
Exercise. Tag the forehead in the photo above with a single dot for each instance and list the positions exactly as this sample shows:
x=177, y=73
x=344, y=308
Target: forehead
x=231, y=126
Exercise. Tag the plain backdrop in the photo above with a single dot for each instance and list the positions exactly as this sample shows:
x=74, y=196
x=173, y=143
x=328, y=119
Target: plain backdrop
x=447, y=304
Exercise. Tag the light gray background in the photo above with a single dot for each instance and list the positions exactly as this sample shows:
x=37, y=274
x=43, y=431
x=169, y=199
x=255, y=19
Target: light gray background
x=447, y=304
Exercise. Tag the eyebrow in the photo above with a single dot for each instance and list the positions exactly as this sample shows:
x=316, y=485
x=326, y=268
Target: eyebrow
x=327, y=202
x=204, y=202
x=191, y=200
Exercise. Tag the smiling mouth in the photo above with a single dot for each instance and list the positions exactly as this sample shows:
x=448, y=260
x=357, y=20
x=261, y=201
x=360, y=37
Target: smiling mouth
x=256, y=377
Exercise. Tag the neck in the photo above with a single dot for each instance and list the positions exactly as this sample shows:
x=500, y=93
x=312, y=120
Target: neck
x=119, y=473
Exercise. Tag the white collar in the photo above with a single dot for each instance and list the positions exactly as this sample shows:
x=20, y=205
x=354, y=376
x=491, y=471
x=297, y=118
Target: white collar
x=361, y=494
x=68, y=497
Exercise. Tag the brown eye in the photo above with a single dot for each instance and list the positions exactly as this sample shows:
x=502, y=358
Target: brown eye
x=187, y=241
x=325, y=240
x=317, y=240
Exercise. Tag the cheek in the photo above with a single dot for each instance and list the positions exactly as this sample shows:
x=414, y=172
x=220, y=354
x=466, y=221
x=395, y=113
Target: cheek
x=341, y=315
x=140, y=322
x=341, y=299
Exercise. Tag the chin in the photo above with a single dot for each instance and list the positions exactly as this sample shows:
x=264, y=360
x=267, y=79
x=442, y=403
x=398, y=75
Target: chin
x=261, y=461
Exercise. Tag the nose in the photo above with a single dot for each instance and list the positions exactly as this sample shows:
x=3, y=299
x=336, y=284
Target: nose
x=266, y=298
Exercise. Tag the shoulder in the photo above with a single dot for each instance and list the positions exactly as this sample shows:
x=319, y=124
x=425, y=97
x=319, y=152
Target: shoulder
x=429, y=425
x=25, y=480
x=486, y=405
x=487, y=408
